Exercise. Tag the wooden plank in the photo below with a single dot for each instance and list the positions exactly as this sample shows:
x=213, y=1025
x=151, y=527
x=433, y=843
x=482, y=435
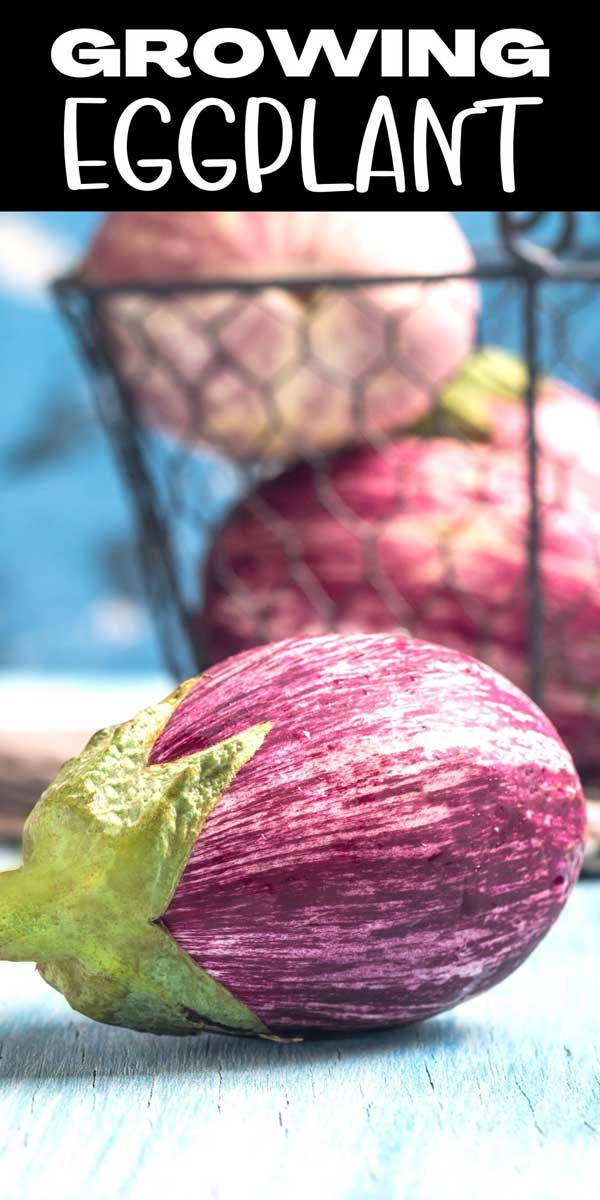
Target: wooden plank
x=47, y=719
x=28, y=763
x=500, y=1098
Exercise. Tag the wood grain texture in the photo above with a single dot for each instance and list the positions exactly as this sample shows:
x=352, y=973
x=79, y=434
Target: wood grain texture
x=500, y=1098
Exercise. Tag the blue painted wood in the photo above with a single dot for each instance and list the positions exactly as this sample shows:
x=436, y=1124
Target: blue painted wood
x=498, y=1099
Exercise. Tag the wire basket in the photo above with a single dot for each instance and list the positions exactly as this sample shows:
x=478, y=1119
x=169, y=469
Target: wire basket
x=275, y=473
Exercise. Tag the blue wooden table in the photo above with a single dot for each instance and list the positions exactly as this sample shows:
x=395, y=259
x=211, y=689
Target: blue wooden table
x=498, y=1099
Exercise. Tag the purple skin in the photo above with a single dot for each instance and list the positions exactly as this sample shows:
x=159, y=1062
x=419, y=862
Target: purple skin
x=407, y=833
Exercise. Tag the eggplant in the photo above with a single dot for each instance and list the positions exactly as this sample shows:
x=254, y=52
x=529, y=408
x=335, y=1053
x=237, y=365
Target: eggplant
x=321, y=836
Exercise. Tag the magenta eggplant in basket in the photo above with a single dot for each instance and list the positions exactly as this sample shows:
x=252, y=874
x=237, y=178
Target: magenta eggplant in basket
x=325, y=835
x=429, y=536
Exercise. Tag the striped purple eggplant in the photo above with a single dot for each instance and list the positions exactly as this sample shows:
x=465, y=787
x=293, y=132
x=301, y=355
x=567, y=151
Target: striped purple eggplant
x=323, y=835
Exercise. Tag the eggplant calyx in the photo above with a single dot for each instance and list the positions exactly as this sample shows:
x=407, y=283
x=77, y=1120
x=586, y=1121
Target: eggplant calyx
x=103, y=852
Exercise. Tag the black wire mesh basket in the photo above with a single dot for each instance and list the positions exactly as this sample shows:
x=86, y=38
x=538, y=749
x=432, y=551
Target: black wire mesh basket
x=310, y=454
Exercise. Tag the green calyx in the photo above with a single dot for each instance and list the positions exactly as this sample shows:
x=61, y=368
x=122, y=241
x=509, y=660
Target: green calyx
x=488, y=375
x=103, y=852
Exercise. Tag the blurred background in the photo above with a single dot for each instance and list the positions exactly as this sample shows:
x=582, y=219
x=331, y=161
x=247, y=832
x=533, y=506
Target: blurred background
x=72, y=598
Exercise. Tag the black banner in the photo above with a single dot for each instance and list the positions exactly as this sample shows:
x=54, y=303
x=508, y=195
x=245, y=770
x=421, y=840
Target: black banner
x=499, y=114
